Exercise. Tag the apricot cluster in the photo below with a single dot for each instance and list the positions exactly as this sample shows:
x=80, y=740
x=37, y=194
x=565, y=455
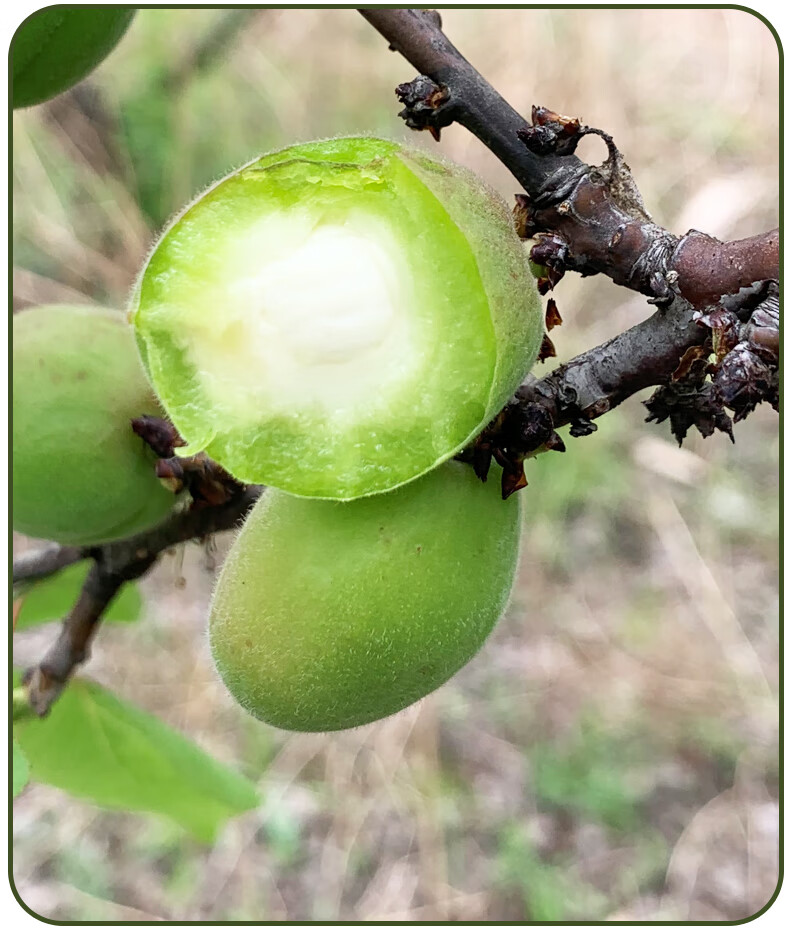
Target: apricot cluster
x=335, y=321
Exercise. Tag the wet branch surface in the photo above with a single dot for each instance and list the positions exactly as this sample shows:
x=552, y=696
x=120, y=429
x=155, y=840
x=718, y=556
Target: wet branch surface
x=711, y=343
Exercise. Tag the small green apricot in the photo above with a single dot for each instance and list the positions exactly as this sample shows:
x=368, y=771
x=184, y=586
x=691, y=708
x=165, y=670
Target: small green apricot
x=58, y=46
x=80, y=475
x=328, y=615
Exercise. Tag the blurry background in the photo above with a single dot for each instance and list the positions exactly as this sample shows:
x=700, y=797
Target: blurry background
x=612, y=751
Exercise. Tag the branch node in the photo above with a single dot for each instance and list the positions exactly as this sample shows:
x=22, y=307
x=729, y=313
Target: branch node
x=160, y=435
x=748, y=371
x=426, y=105
x=690, y=401
x=551, y=133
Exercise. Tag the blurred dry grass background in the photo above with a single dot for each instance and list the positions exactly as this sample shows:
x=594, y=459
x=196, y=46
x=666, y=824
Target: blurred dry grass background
x=612, y=751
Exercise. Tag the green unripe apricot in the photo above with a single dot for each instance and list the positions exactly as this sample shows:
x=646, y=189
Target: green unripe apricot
x=80, y=475
x=337, y=318
x=56, y=47
x=328, y=615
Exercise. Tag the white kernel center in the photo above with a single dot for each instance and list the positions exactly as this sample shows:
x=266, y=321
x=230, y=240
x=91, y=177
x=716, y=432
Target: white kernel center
x=330, y=300
x=313, y=316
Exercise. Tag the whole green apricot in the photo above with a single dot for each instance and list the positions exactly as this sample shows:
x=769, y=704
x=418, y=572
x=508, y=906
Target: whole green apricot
x=337, y=318
x=58, y=46
x=328, y=615
x=80, y=475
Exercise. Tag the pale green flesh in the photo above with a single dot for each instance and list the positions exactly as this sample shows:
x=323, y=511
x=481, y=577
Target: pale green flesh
x=321, y=326
x=328, y=615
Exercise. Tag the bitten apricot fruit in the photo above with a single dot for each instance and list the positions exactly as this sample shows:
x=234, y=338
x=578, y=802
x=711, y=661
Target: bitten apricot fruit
x=338, y=318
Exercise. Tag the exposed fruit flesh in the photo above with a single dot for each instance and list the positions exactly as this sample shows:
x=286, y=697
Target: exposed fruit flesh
x=337, y=318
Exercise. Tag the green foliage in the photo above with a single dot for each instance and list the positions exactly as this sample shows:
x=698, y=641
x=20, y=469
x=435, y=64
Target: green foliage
x=590, y=776
x=283, y=835
x=57, y=46
x=549, y=892
x=100, y=748
x=21, y=770
x=52, y=598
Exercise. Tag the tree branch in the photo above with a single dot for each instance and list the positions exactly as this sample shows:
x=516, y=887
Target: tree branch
x=470, y=101
x=601, y=378
x=596, y=211
x=38, y=564
x=114, y=564
x=591, y=219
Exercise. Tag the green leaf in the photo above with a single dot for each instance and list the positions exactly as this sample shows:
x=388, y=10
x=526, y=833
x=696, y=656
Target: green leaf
x=58, y=46
x=97, y=747
x=21, y=772
x=52, y=598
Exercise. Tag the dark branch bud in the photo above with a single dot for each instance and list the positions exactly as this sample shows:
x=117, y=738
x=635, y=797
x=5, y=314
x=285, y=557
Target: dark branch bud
x=160, y=435
x=724, y=327
x=688, y=403
x=744, y=380
x=518, y=432
x=690, y=400
x=206, y=481
x=551, y=133
x=582, y=426
x=748, y=373
x=425, y=105
x=551, y=251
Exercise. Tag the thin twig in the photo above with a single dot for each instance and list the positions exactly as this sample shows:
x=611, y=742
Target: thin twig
x=38, y=564
x=115, y=564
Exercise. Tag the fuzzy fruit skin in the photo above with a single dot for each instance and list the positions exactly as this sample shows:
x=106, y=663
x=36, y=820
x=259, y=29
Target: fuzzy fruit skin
x=55, y=48
x=80, y=474
x=474, y=280
x=329, y=615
